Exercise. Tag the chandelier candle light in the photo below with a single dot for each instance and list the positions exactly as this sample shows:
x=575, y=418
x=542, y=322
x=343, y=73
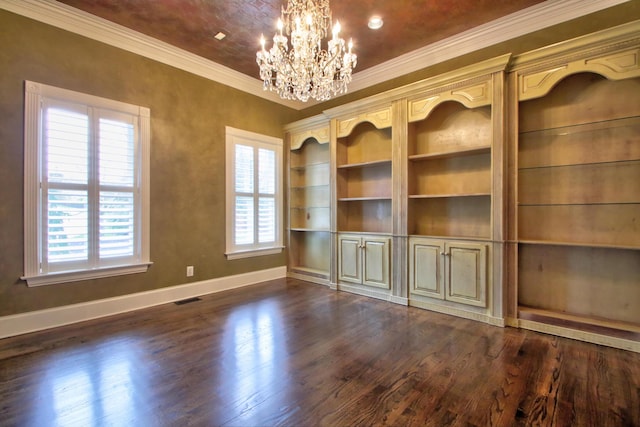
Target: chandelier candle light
x=305, y=70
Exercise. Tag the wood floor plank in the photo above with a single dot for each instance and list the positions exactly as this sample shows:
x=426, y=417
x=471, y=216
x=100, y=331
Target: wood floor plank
x=291, y=353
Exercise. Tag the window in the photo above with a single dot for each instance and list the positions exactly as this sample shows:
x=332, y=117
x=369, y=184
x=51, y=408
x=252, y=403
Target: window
x=86, y=186
x=254, y=194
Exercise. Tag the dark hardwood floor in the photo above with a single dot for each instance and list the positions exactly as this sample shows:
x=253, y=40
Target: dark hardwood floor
x=292, y=353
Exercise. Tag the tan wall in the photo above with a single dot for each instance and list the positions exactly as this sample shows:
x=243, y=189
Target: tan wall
x=188, y=119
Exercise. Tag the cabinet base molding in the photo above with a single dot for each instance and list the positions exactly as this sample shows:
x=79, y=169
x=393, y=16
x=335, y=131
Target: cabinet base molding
x=589, y=337
x=495, y=321
x=373, y=293
x=511, y=322
x=308, y=278
x=399, y=300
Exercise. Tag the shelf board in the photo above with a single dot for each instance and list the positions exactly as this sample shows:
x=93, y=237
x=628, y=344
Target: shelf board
x=588, y=324
x=443, y=196
x=569, y=165
x=486, y=239
x=312, y=230
x=365, y=164
x=308, y=207
x=368, y=233
x=445, y=154
x=307, y=166
x=307, y=187
x=586, y=127
x=362, y=199
x=580, y=245
x=580, y=204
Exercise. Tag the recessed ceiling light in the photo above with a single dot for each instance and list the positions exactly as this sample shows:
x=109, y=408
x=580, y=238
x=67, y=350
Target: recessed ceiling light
x=220, y=36
x=375, y=22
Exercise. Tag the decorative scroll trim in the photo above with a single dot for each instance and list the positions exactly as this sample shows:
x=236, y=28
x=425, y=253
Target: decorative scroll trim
x=614, y=66
x=380, y=119
x=321, y=135
x=470, y=97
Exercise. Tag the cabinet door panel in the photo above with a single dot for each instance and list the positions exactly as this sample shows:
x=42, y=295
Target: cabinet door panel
x=376, y=263
x=426, y=272
x=466, y=273
x=349, y=259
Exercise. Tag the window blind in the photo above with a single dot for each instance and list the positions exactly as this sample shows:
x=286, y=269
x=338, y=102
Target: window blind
x=90, y=186
x=253, y=195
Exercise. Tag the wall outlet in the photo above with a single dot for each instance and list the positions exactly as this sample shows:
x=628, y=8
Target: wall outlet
x=189, y=270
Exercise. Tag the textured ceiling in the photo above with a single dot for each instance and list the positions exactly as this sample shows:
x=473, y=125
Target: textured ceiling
x=192, y=24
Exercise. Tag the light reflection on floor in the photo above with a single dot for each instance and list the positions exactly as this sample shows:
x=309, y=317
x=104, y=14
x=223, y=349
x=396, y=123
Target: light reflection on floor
x=256, y=355
x=107, y=381
x=96, y=389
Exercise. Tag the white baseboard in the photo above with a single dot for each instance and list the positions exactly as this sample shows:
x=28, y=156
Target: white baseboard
x=308, y=278
x=59, y=316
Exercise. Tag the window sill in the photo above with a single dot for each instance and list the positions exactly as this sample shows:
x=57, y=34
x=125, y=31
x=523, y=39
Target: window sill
x=75, y=276
x=254, y=252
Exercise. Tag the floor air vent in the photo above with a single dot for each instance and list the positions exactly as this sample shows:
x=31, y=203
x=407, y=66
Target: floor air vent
x=187, y=301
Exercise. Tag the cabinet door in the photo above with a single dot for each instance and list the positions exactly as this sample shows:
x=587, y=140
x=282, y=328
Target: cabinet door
x=349, y=259
x=466, y=273
x=376, y=262
x=426, y=268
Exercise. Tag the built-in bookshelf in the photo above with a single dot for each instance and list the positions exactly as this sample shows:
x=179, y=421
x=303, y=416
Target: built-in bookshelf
x=449, y=172
x=364, y=179
x=507, y=192
x=364, y=190
x=578, y=199
x=309, y=237
x=453, y=187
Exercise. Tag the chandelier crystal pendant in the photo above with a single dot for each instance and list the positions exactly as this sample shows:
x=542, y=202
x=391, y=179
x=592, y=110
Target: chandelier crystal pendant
x=304, y=70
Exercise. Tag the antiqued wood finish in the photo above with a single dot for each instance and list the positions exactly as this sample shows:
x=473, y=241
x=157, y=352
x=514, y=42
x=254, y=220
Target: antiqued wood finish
x=575, y=193
x=292, y=353
x=454, y=193
x=364, y=173
x=310, y=200
x=364, y=260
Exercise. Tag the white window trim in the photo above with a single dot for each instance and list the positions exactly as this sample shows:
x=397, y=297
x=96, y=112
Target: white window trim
x=234, y=136
x=34, y=93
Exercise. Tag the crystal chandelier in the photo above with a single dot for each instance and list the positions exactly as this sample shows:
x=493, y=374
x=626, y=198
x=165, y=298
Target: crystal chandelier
x=305, y=70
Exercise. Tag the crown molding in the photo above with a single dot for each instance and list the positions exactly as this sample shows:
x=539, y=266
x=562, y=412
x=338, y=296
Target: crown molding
x=543, y=15
x=79, y=22
x=534, y=18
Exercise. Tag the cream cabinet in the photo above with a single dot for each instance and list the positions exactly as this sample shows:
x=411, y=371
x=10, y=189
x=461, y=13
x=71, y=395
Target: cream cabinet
x=448, y=270
x=364, y=260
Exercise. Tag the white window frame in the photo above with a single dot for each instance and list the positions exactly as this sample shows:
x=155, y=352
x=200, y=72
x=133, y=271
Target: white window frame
x=242, y=137
x=35, y=96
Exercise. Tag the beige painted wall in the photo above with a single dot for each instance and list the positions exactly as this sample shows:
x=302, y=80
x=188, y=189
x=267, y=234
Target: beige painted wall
x=188, y=119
